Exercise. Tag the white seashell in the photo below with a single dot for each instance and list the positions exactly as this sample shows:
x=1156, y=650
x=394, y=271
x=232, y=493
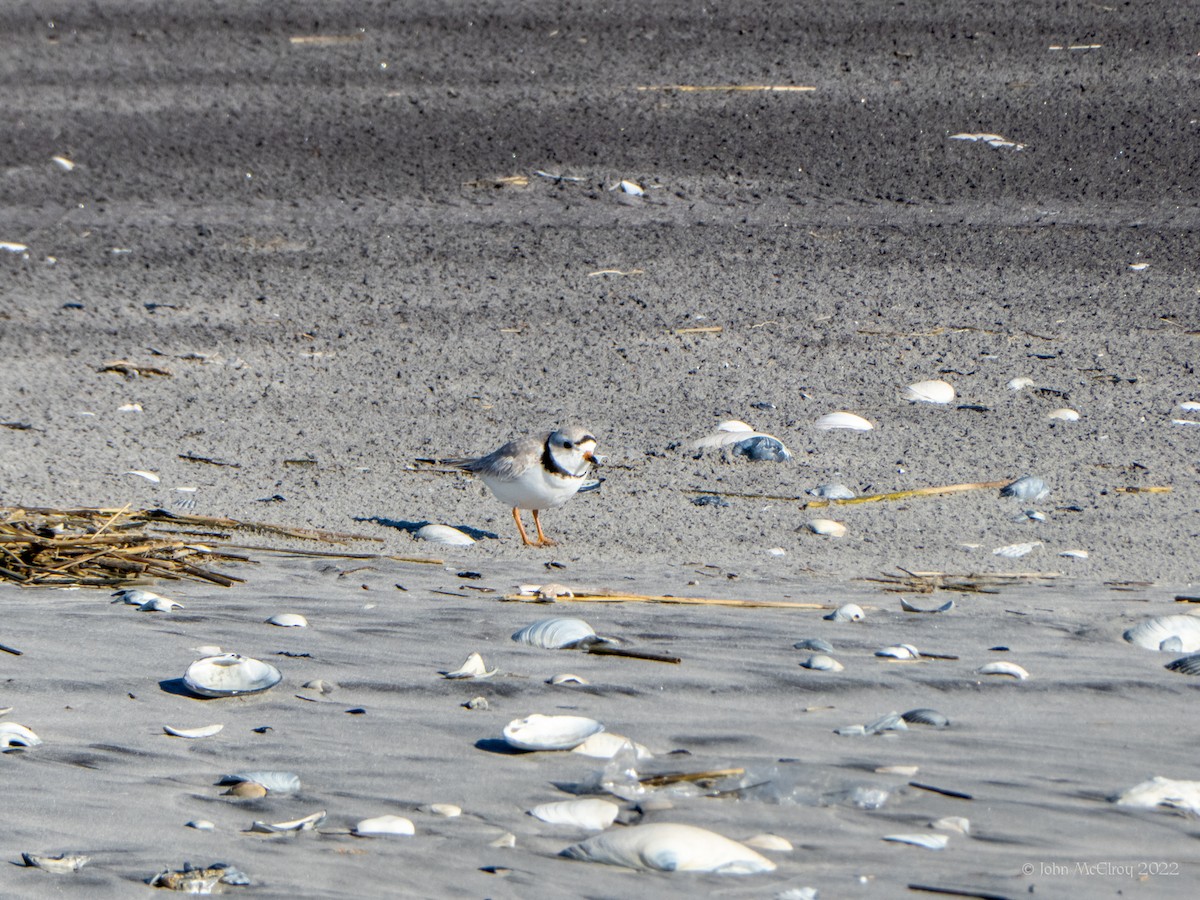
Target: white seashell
x=899, y=651
x=1190, y=406
x=60, y=865
x=819, y=644
x=907, y=606
x=1027, y=487
x=1160, y=791
x=567, y=678
x=557, y=633
x=149, y=476
x=592, y=814
x=552, y=591
x=230, y=675
x=1021, y=383
x=832, y=492
x=445, y=810
x=1003, y=668
x=506, y=840
x=1064, y=414
x=925, y=716
x=443, y=534
x=1074, y=554
x=1138, y=267
x=930, y=392
x=200, y=825
x=13, y=247
x=207, y=650
x=745, y=440
x=1190, y=422
x=202, y=732
x=892, y=721
x=135, y=596
x=320, y=685
x=826, y=527
x=474, y=667
x=626, y=186
x=606, y=745
x=308, y=823
x=15, y=735
x=159, y=604
x=846, y=420
x=130, y=407
x=819, y=662
x=928, y=841
x=384, y=825
x=847, y=612
x=539, y=732
x=1150, y=633
x=288, y=620
x=953, y=823
x=906, y=771
x=997, y=141
x=1013, y=551
x=669, y=847
x=274, y=782
x=63, y=163
x=771, y=842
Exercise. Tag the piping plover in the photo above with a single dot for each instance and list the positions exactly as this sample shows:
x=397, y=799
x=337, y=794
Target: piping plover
x=536, y=473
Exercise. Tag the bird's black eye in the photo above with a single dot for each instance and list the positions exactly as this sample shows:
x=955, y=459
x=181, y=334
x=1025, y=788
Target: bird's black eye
x=567, y=445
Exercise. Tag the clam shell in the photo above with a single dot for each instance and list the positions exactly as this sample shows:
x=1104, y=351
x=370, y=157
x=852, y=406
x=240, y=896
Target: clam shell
x=1015, y=551
x=832, y=492
x=669, y=847
x=961, y=824
x=60, y=864
x=1027, y=487
x=817, y=644
x=1186, y=665
x=928, y=841
x=135, y=596
x=1064, y=415
x=307, y=823
x=474, y=667
x=443, y=534
x=847, y=420
x=606, y=745
x=230, y=675
x=913, y=608
x=567, y=678
x=930, y=392
x=288, y=620
x=1020, y=383
x=445, y=810
x=1160, y=791
x=827, y=527
x=925, y=716
x=591, y=814
x=201, y=825
x=202, y=732
x=899, y=651
x=1003, y=668
x=893, y=721
x=847, y=612
x=383, y=825
x=771, y=842
x=1151, y=633
x=762, y=448
x=820, y=662
x=557, y=633
x=274, y=781
x=15, y=735
x=539, y=732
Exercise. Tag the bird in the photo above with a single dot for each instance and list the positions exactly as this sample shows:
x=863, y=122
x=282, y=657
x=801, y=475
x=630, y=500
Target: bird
x=536, y=473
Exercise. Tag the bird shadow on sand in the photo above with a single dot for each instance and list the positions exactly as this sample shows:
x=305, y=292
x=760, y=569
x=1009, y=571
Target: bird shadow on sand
x=412, y=528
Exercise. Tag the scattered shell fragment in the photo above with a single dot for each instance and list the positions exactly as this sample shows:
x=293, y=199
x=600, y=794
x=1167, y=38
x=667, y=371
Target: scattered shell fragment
x=200, y=825
x=1020, y=383
x=539, y=732
x=925, y=716
x=847, y=612
x=821, y=662
x=846, y=420
x=60, y=864
x=380, y=826
x=906, y=771
x=1190, y=405
x=913, y=608
x=246, y=790
x=625, y=186
x=1186, y=665
x=443, y=534
x=744, y=440
x=1014, y=551
x=445, y=810
x=590, y=814
x=832, y=492
x=199, y=881
x=63, y=163
x=1003, y=668
x=606, y=745
x=1074, y=554
x=557, y=633
x=769, y=842
x=998, y=141
x=670, y=847
x=930, y=392
x=276, y=782
x=130, y=407
x=320, y=685
x=550, y=591
x=13, y=247
x=135, y=596
x=1160, y=791
x=159, y=604
x=567, y=678
x=149, y=476
x=826, y=527
x=960, y=824
x=13, y=734
x=928, y=841
x=1064, y=415
x=505, y=841
x=288, y=620
x=306, y=823
x=899, y=651
x=1027, y=487
x=477, y=703
x=819, y=645
x=1139, y=266
x=474, y=667
x=202, y=732
x=230, y=675
x=1151, y=633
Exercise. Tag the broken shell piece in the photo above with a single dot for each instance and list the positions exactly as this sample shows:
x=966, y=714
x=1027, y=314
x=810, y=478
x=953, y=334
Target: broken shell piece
x=899, y=651
x=63, y=163
x=474, y=667
x=928, y=841
x=606, y=745
x=1074, y=554
x=135, y=596
x=1185, y=665
x=380, y=826
x=230, y=675
x=200, y=825
x=847, y=612
x=925, y=716
x=476, y=703
x=832, y=492
x=15, y=735
x=149, y=476
x=567, y=678
x=1014, y=551
x=199, y=881
x=320, y=685
x=557, y=633
x=930, y=392
x=745, y=441
x=669, y=847
x=771, y=842
x=1160, y=791
x=273, y=781
x=539, y=732
x=909, y=607
x=625, y=186
x=846, y=420
x=826, y=527
x=443, y=534
x=960, y=824
x=202, y=732
x=506, y=840
x=1064, y=415
x=818, y=644
x=551, y=591
x=1152, y=633
x=820, y=662
x=307, y=823
x=445, y=810
x=1027, y=487
x=246, y=790
x=288, y=620
x=1003, y=668
x=60, y=864
x=159, y=604
x=591, y=814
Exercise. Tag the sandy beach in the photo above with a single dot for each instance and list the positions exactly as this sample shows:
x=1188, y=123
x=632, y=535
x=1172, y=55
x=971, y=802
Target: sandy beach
x=259, y=263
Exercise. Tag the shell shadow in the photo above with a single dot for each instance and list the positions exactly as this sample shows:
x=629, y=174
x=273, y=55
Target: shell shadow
x=179, y=688
x=412, y=528
x=497, y=745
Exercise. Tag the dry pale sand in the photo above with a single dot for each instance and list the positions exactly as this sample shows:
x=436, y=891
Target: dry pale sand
x=346, y=254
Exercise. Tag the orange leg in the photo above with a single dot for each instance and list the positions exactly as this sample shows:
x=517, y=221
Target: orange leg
x=543, y=541
x=521, y=528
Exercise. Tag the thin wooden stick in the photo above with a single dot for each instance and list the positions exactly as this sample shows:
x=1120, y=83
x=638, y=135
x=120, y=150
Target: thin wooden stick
x=609, y=650
x=705, y=88
x=613, y=597
x=904, y=495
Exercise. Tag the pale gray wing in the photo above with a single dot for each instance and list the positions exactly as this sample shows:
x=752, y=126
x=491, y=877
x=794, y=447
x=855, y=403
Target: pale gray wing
x=507, y=462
